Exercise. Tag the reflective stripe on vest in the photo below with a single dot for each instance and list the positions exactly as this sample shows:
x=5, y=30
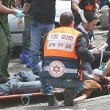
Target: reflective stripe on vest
x=61, y=42
x=67, y=70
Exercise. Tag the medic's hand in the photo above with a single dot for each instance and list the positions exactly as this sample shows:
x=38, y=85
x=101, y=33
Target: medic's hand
x=105, y=9
x=19, y=13
x=95, y=50
x=81, y=13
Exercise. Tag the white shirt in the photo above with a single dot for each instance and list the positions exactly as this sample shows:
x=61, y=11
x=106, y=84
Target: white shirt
x=82, y=28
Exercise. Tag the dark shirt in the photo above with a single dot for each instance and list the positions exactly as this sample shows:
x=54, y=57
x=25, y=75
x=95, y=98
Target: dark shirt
x=82, y=49
x=107, y=2
x=43, y=10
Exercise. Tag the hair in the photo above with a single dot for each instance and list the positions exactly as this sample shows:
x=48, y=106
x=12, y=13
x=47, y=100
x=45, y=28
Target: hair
x=66, y=18
x=90, y=16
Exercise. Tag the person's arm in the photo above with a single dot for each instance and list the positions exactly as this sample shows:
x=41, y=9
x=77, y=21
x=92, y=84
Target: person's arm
x=25, y=10
x=82, y=51
x=14, y=11
x=26, y=7
x=75, y=8
x=75, y=5
x=17, y=2
x=4, y=9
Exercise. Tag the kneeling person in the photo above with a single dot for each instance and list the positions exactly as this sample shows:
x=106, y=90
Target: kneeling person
x=61, y=62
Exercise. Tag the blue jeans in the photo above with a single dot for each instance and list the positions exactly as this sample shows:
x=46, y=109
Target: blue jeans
x=22, y=82
x=37, y=30
x=48, y=84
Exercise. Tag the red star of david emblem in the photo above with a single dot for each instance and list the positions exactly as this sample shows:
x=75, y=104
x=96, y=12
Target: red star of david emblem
x=56, y=69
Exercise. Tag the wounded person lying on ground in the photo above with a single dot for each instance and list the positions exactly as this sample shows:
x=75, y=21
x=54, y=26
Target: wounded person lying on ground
x=99, y=79
x=22, y=82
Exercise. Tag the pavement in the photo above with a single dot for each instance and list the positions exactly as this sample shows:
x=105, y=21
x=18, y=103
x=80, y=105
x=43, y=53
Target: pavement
x=16, y=66
x=98, y=103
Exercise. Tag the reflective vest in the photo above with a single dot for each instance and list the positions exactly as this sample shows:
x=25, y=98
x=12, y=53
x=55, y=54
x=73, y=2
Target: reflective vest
x=61, y=42
x=88, y=5
x=60, y=58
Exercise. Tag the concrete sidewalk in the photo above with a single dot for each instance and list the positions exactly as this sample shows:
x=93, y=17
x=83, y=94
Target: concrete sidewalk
x=16, y=66
x=99, y=103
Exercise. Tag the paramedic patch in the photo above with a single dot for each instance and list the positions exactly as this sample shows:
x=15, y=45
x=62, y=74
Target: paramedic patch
x=56, y=69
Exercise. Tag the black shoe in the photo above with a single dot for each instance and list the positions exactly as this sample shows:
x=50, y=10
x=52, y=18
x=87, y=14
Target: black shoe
x=68, y=97
x=52, y=101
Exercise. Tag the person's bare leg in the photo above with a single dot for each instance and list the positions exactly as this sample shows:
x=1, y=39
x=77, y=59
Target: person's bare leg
x=85, y=94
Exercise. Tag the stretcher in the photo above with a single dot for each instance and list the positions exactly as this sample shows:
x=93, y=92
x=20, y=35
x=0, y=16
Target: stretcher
x=25, y=98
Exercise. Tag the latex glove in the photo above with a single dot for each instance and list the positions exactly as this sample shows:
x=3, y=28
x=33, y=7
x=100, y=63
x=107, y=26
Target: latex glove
x=105, y=9
x=81, y=13
x=19, y=13
x=20, y=22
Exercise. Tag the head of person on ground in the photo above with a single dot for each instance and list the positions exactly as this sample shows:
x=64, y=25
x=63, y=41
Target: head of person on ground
x=67, y=19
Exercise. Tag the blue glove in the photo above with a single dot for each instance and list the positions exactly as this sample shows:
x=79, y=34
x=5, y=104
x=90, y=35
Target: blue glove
x=102, y=66
x=19, y=14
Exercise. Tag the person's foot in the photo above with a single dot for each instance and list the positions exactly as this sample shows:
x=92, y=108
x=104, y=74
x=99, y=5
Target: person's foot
x=68, y=97
x=52, y=101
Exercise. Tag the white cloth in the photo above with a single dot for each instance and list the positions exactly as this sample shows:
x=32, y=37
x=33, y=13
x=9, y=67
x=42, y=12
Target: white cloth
x=97, y=72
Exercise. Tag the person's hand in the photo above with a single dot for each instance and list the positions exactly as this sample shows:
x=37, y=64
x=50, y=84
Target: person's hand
x=20, y=22
x=93, y=46
x=19, y=13
x=103, y=47
x=108, y=79
x=98, y=13
x=105, y=9
x=81, y=13
x=95, y=50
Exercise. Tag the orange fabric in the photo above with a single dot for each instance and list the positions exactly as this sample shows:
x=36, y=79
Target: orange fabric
x=80, y=71
x=90, y=7
x=81, y=74
x=64, y=34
